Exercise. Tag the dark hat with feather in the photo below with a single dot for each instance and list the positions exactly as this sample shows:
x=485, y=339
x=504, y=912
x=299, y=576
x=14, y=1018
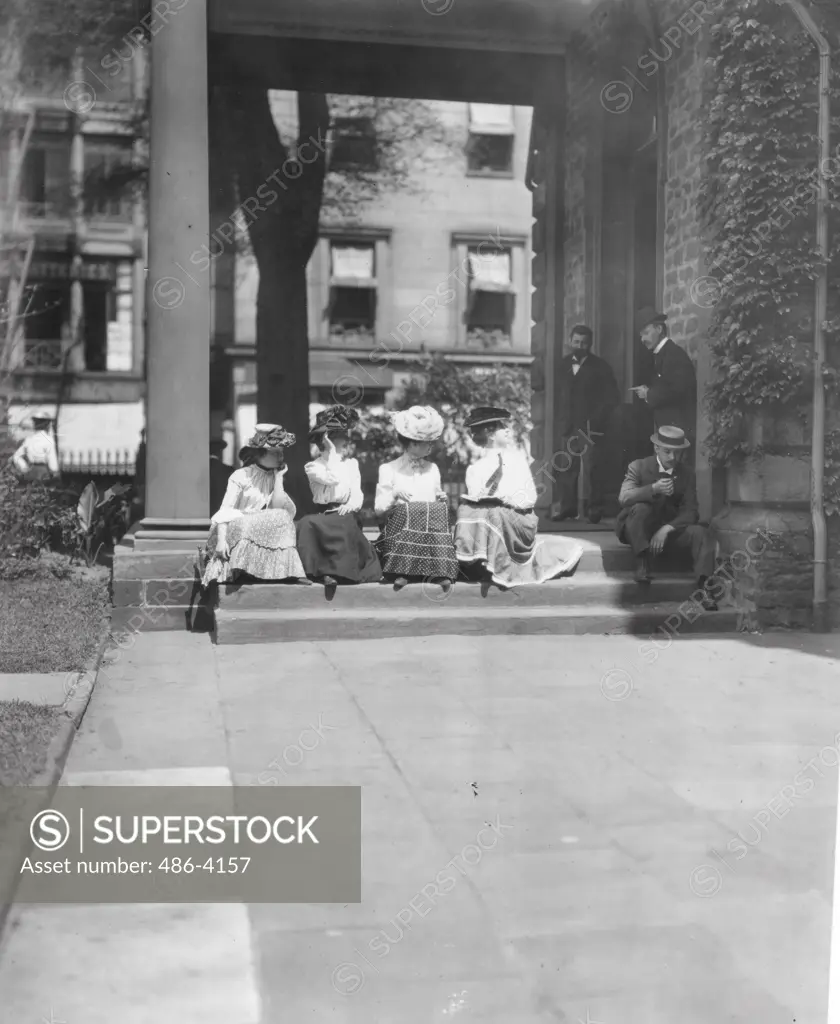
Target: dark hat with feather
x=338, y=419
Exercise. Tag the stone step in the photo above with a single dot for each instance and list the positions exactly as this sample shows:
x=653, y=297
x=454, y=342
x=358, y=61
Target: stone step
x=582, y=588
x=245, y=626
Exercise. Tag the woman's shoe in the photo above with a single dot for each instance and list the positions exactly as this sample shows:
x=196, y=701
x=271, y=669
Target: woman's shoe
x=400, y=582
x=328, y=581
x=444, y=584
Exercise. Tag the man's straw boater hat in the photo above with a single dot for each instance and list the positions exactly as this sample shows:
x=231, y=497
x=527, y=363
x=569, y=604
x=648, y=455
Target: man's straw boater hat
x=647, y=316
x=670, y=437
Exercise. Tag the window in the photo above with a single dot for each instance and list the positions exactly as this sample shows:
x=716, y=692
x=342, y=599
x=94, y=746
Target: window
x=107, y=188
x=353, y=144
x=45, y=176
x=491, y=297
x=352, y=303
x=45, y=313
x=107, y=306
x=111, y=79
x=490, y=145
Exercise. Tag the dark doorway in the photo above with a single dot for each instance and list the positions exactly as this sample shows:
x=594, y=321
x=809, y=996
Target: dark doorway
x=643, y=281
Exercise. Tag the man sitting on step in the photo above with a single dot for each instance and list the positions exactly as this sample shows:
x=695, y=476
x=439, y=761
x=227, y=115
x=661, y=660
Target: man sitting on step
x=658, y=502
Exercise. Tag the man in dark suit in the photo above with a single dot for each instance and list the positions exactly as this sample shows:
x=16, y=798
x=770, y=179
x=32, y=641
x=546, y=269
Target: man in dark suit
x=588, y=394
x=658, y=502
x=672, y=394
x=219, y=473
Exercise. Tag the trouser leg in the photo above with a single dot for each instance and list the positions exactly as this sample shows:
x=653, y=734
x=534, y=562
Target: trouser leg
x=639, y=526
x=567, y=481
x=699, y=540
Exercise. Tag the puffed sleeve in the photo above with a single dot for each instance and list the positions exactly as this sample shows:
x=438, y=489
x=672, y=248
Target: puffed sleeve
x=384, y=500
x=229, y=508
x=279, y=498
x=521, y=490
x=19, y=458
x=474, y=480
x=323, y=471
x=354, y=479
x=436, y=482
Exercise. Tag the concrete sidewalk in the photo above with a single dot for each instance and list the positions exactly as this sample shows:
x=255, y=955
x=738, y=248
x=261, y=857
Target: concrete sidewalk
x=661, y=856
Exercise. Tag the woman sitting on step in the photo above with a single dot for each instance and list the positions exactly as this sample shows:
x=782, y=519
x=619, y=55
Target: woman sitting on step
x=415, y=541
x=332, y=547
x=496, y=531
x=253, y=533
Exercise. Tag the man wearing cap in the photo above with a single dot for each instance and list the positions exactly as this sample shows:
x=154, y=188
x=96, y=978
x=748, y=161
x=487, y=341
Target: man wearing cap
x=36, y=458
x=658, y=502
x=672, y=395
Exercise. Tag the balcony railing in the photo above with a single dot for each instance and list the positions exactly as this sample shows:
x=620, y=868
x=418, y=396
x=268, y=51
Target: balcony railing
x=42, y=355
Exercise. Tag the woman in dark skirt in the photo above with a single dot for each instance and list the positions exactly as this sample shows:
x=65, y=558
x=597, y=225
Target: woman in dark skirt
x=330, y=542
x=415, y=542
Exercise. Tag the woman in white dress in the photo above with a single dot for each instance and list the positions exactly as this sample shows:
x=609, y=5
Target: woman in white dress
x=497, y=527
x=253, y=533
x=415, y=541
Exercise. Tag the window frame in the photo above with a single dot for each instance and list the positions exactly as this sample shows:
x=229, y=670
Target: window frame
x=478, y=131
x=520, y=286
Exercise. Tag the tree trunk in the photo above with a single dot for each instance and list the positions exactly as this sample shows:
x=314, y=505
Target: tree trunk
x=285, y=199
x=283, y=362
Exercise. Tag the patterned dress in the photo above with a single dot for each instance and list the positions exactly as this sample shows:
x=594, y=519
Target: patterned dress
x=497, y=527
x=333, y=544
x=258, y=517
x=416, y=538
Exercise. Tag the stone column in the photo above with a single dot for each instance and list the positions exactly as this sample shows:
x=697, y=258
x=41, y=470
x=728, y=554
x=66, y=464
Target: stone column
x=178, y=288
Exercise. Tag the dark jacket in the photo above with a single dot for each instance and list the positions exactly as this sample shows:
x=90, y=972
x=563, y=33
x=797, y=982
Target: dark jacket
x=678, y=509
x=673, y=390
x=589, y=395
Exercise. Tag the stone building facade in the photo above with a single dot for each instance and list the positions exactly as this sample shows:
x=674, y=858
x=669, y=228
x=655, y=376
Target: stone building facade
x=628, y=175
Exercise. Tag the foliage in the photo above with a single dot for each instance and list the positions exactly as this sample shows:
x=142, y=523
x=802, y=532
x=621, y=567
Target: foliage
x=101, y=520
x=453, y=390
x=758, y=206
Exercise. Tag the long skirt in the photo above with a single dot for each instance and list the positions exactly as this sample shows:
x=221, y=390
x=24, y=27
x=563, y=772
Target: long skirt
x=334, y=545
x=416, y=541
x=504, y=541
x=261, y=544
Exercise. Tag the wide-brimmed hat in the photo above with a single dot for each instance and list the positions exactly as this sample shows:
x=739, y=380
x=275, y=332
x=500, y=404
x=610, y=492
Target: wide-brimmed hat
x=338, y=419
x=483, y=415
x=269, y=437
x=419, y=423
x=218, y=442
x=647, y=316
x=670, y=437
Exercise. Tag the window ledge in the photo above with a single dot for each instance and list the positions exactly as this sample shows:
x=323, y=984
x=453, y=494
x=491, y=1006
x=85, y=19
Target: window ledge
x=489, y=174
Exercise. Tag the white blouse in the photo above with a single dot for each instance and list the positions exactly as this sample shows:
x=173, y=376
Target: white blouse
x=254, y=489
x=417, y=478
x=333, y=479
x=516, y=486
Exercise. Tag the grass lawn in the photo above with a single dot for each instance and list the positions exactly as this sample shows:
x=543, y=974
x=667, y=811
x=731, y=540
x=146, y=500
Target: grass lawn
x=49, y=624
x=26, y=731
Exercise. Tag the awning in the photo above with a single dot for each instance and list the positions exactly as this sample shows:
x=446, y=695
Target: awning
x=491, y=119
x=327, y=369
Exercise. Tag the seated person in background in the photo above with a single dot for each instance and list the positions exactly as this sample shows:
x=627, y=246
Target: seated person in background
x=36, y=459
x=658, y=502
x=415, y=541
x=496, y=529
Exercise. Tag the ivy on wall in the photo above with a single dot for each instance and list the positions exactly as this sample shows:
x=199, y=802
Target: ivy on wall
x=758, y=207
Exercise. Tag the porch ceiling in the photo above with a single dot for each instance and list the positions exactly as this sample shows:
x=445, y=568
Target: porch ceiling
x=523, y=26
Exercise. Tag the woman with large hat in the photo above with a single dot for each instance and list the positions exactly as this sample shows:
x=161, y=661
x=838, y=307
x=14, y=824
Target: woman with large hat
x=253, y=533
x=415, y=541
x=496, y=531
x=331, y=543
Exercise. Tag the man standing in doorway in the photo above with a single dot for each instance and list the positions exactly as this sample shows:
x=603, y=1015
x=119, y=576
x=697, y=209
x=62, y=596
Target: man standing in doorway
x=672, y=395
x=588, y=395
